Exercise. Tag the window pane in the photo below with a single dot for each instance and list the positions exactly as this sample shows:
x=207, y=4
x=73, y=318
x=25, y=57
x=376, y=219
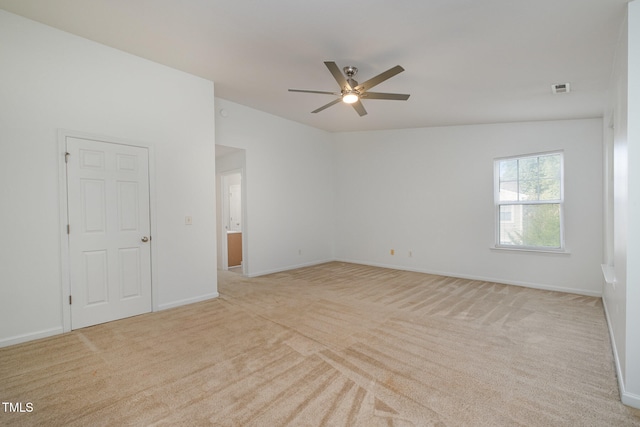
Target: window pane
x=509, y=170
x=508, y=191
x=528, y=169
x=549, y=189
x=531, y=225
x=550, y=166
x=529, y=190
x=528, y=178
x=506, y=213
x=511, y=232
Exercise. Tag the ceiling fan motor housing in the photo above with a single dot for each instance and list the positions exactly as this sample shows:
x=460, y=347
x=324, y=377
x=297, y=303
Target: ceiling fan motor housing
x=350, y=71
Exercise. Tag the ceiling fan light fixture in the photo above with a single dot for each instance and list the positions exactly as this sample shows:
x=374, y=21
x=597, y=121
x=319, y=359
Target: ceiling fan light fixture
x=350, y=97
x=351, y=92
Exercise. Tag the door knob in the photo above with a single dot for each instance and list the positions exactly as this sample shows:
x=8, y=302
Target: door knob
x=145, y=239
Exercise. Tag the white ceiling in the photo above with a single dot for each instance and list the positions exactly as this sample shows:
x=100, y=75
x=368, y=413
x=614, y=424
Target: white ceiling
x=466, y=61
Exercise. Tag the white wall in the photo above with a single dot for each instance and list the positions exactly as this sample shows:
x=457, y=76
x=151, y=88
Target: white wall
x=430, y=191
x=52, y=80
x=633, y=243
x=288, y=188
x=622, y=299
x=614, y=295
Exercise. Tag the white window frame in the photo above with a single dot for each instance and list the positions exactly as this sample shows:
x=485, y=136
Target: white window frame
x=498, y=203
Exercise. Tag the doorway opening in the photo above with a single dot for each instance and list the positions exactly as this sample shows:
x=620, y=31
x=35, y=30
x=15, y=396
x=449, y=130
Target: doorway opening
x=231, y=210
x=232, y=218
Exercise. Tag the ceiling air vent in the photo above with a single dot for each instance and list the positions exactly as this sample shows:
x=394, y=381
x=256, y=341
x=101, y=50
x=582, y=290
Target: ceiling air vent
x=561, y=88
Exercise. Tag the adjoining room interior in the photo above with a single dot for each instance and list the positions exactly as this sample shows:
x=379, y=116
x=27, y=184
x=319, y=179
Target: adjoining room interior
x=230, y=164
x=199, y=228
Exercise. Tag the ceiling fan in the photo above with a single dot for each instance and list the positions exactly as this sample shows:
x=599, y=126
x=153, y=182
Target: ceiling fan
x=353, y=93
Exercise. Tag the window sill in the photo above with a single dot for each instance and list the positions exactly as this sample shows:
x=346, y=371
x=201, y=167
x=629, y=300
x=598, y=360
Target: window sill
x=543, y=251
x=609, y=273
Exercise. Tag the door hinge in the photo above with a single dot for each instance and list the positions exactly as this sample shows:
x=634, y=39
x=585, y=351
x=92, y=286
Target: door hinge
x=69, y=299
x=68, y=229
x=66, y=157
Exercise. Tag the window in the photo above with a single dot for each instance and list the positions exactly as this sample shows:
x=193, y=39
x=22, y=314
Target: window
x=529, y=202
x=506, y=214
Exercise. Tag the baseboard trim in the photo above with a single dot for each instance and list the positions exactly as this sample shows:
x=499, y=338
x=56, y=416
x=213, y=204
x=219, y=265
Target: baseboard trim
x=19, y=339
x=627, y=398
x=287, y=268
x=630, y=399
x=186, y=301
x=479, y=278
x=438, y=273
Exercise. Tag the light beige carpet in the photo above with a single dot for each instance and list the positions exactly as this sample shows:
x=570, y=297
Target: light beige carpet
x=336, y=345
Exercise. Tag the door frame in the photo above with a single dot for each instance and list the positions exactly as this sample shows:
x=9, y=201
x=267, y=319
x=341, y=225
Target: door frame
x=65, y=269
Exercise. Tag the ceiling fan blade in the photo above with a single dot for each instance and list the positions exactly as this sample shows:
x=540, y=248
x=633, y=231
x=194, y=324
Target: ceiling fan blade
x=379, y=78
x=359, y=108
x=315, y=91
x=334, y=102
x=392, y=96
x=337, y=74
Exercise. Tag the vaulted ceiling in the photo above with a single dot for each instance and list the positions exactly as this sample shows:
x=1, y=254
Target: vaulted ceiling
x=466, y=61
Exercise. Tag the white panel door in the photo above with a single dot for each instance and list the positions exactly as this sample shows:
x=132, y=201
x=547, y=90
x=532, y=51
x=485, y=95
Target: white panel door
x=109, y=231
